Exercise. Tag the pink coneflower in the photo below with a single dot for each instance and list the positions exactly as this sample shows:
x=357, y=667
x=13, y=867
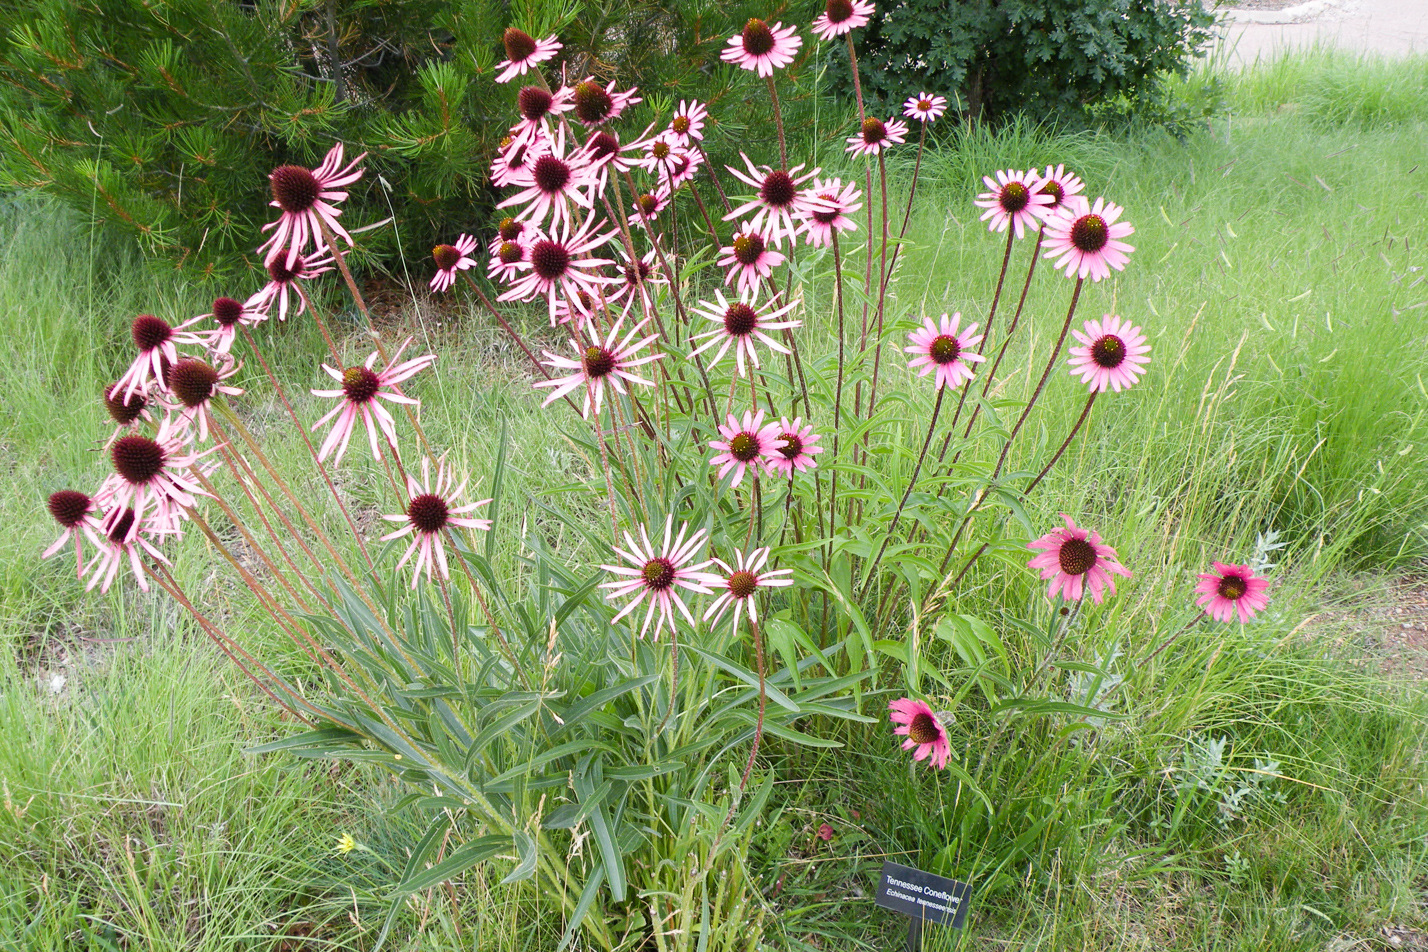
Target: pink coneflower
x=798, y=449
x=747, y=443
x=749, y=259
x=762, y=48
x=599, y=364
x=684, y=165
x=151, y=473
x=229, y=315
x=583, y=307
x=510, y=258
x=194, y=383
x=551, y=184
x=74, y=511
x=1075, y=561
x=126, y=412
x=431, y=511
x=637, y=277
x=923, y=730
x=606, y=154
x=658, y=574
x=451, y=259
x=1087, y=242
x=1231, y=590
x=596, y=105
x=781, y=198
x=537, y=106
x=839, y=202
x=741, y=324
x=876, y=135
x=514, y=158
x=1061, y=185
x=157, y=342
x=308, y=199
x=942, y=347
x=283, y=279
x=646, y=207
x=523, y=52
x=743, y=579
x=1112, y=354
x=1013, y=198
x=687, y=124
x=660, y=154
x=559, y=265
x=360, y=388
x=841, y=17
x=122, y=541
x=925, y=107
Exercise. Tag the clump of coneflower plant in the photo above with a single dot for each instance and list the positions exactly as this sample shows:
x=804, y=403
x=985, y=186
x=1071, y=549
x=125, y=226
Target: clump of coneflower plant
x=737, y=444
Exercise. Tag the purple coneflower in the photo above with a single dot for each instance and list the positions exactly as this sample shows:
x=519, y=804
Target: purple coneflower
x=360, y=388
x=1076, y=561
x=451, y=259
x=923, y=729
x=942, y=347
x=781, y=198
x=229, y=315
x=740, y=325
x=925, y=107
x=598, y=364
x=558, y=265
x=841, y=17
x=74, y=511
x=749, y=259
x=430, y=512
x=122, y=541
x=747, y=443
x=762, y=48
x=307, y=198
x=150, y=473
x=514, y=158
x=687, y=124
x=875, y=135
x=1112, y=354
x=744, y=578
x=126, y=412
x=523, y=52
x=1231, y=590
x=659, y=574
x=193, y=384
x=596, y=105
x=537, y=106
x=798, y=449
x=156, y=339
x=839, y=202
x=1086, y=241
x=551, y=184
x=1061, y=185
x=282, y=279
x=1013, y=198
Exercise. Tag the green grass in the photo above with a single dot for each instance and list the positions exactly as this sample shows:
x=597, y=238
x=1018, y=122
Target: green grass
x=1278, y=273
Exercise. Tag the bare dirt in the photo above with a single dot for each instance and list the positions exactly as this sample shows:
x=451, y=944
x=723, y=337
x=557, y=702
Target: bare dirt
x=1384, y=624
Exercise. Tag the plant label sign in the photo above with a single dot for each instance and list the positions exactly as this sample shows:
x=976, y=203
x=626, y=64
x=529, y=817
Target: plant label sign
x=923, y=896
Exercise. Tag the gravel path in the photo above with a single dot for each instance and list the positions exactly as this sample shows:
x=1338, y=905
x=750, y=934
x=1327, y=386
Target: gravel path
x=1259, y=30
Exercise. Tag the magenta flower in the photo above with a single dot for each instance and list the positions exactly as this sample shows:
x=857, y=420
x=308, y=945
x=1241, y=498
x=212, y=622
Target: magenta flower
x=307, y=198
x=1231, y=589
x=781, y=198
x=1112, y=354
x=747, y=443
x=151, y=473
x=360, y=389
x=741, y=324
x=942, y=347
x=658, y=574
x=523, y=52
x=431, y=511
x=743, y=579
x=559, y=264
x=1013, y=198
x=596, y=105
x=660, y=154
x=122, y=541
x=229, y=315
x=1086, y=241
x=451, y=259
x=1061, y=185
x=74, y=511
x=510, y=258
x=798, y=449
x=157, y=342
x=606, y=154
x=637, y=277
x=749, y=259
x=282, y=279
x=1076, y=561
x=841, y=17
x=925, y=107
x=839, y=202
x=683, y=166
x=876, y=135
x=194, y=383
x=599, y=364
x=762, y=48
x=648, y=205
x=687, y=124
x=923, y=730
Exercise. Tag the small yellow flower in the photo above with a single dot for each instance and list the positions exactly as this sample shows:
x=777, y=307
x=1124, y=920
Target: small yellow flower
x=345, y=844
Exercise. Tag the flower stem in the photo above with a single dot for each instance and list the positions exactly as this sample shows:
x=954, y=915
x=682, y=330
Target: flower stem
x=1085, y=412
x=778, y=123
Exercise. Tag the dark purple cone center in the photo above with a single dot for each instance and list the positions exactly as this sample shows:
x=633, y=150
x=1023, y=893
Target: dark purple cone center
x=792, y=447
x=1053, y=188
x=679, y=165
x=445, y=256
x=227, y=312
x=69, y=507
x=295, y=188
x=360, y=385
x=137, y=458
x=1076, y=556
x=510, y=229
x=681, y=125
x=509, y=253
x=1232, y=587
x=758, y=38
x=428, y=513
x=649, y=205
x=1014, y=197
x=119, y=531
x=658, y=574
x=778, y=190
x=744, y=447
x=830, y=215
x=874, y=131
x=636, y=274
x=518, y=44
x=1109, y=352
x=534, y=102
x=748, y=249
x=838, y=11
x=192, y=381
x=944, y=349
x=150, y=332
x=549, y=259
x=279, y=271
x=1089, y=233
x=923, y=728
x=550, y=174
x=597, y=362
x=123, y=411
x=740, y=320
x=742, y=584
x=602, y=145
x=592, y=103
